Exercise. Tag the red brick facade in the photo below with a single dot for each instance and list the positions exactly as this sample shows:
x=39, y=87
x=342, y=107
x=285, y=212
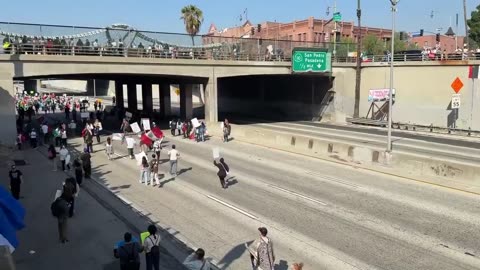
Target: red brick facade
x=310, y=30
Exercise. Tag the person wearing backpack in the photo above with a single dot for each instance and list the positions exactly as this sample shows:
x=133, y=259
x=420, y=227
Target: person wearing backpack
x=60, y=210
x=128, y=253
x=151, y=246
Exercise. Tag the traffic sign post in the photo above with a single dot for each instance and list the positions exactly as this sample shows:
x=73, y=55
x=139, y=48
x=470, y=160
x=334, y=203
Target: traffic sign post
x=311, y=60
x=337, y=17
x=456, y=101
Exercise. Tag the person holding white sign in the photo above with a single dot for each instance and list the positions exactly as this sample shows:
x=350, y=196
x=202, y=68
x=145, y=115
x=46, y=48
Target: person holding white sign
x=223, y=171
x=130, y=144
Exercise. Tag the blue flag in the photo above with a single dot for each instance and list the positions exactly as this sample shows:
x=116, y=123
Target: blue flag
x=12, y=214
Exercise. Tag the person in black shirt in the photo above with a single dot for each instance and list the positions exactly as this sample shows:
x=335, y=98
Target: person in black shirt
x=15, y=181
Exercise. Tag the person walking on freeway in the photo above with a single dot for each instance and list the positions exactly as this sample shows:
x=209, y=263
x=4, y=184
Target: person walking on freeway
x=173, y=156
x=261, y=251
x=152, y=249
x=154, y=170
x=109, y=148
x=197, y=261
x=144, y=171
x=16, y=178
x=223, y=170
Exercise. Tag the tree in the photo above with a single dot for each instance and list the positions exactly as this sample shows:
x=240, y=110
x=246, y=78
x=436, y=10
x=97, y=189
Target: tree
x=192, y=17
x=372, y=45
x=345, y=46
x=474, y=25
x=399, y=45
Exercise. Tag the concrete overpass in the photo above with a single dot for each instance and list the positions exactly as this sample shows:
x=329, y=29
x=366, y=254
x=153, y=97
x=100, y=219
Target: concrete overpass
x=256, y=88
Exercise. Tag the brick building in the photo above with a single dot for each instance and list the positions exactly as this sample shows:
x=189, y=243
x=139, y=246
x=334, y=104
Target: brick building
x=310, y=30
x=448, y=42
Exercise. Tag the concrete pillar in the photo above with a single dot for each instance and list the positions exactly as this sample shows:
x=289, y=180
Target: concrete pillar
x=119, y=94
x=186, y=104
x=147, y=99
x=165, y=100
x=31, y=85
x=132, y=97
x=7, y=111
x=211, y=101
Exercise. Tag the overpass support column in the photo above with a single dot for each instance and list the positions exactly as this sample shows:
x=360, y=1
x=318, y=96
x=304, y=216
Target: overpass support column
x=7, y=110
x=165, y=100
x=132, y=97
x=147, y=99
x=31, y=85
x=211, y=100
x=119, y=99
x=186, y=104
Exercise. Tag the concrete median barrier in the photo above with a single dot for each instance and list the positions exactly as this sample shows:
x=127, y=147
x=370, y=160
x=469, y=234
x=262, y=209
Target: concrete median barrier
x=421, y=167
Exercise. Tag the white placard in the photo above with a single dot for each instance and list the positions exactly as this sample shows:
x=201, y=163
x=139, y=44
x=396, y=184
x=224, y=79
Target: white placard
x=130, y=142
x=58, y=193
x=146, y=123
x=456, y=101
x=84, y=115
x=195, y=122
x=135, y=128
x=216, y=153
x=117, y=136
x=128, y=114
x=222, y=124
x=139, y=157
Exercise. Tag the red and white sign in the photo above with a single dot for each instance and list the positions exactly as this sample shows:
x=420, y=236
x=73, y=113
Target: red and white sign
x=375, y=95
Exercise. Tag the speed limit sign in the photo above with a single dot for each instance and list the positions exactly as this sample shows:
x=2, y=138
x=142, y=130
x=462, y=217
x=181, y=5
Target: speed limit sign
x=456, y=101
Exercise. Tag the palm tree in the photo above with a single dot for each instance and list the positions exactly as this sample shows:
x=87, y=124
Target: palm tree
x=192, y=16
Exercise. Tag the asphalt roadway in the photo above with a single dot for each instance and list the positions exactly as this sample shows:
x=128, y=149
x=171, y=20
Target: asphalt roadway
x=326, y=215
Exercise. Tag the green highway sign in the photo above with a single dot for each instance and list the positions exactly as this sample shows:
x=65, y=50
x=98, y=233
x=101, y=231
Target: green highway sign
x=311, y=60
x=337, y=17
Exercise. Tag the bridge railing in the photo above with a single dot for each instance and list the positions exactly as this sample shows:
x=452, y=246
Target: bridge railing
x=124, y=41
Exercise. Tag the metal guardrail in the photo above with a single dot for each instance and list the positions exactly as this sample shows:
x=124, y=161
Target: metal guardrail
x=125, y=41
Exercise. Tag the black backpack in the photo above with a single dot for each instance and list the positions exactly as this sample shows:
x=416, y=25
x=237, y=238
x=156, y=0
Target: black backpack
x=131, y=262
x=55, y=207
x=155, y=250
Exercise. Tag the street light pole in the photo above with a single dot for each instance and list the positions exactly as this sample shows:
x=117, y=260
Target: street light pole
x=390, y=95
x=358, y=75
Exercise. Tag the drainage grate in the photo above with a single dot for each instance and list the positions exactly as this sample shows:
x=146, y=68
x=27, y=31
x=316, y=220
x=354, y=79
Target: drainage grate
x=19, y=162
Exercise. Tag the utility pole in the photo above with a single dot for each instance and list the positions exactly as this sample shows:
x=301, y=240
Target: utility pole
x=466, y=40
x=390, y=96
x=335, y=29
x=358, y=75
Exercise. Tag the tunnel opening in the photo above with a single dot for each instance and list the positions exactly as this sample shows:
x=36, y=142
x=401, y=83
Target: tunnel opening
x=279, y=98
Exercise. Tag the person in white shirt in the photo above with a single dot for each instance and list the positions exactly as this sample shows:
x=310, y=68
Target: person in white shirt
x=173, y=155
x=151, y=246
x=109, y=148
x=33, y=138
x=157, y=148
x=45, y=133
x=130, y=144
x=64, y=157
x=196, y=261
x=63, y=135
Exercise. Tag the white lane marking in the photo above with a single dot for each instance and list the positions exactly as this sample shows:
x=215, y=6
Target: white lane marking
x=332, y=179
x=298, y=194
x=232, y=207
x=118, y=155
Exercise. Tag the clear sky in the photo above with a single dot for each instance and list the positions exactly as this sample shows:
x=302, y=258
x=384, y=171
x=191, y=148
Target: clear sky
x=163, y=15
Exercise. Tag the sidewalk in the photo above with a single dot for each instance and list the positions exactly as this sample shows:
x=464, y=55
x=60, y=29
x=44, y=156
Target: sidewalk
x=92, y=232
